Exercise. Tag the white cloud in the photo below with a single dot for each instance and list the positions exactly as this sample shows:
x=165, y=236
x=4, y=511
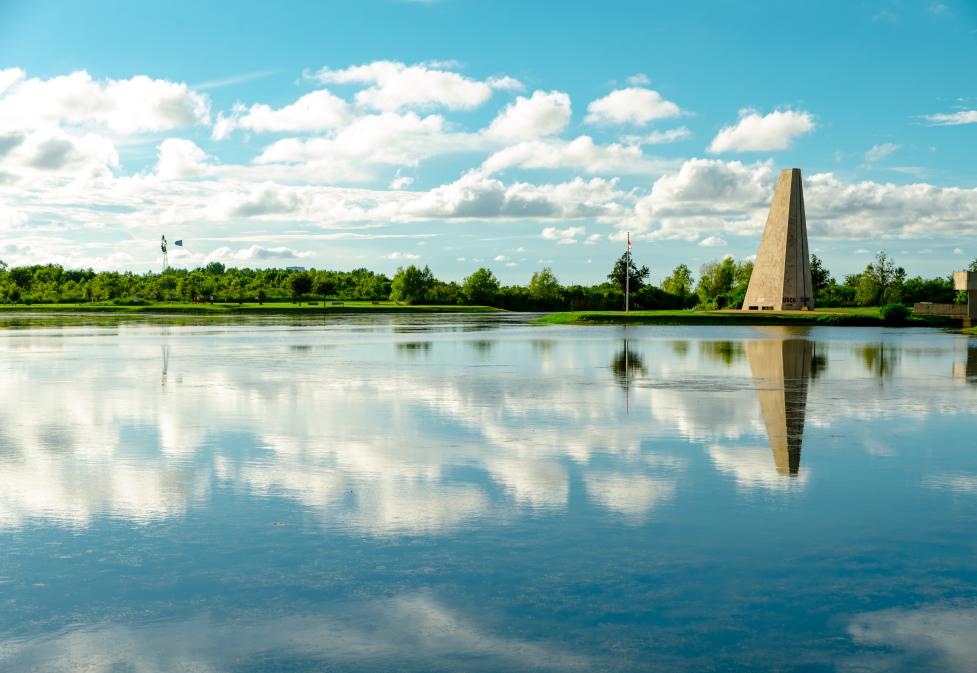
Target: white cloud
x=254, y=253
x=634, y=105
x=712, y=242
x=477, y=196
x=762, y=133
x=394, y=86
x=403, y=255
x=180, y=158
x=266, y=199
x=563, y=236
x=640, y=79
x=593, y=239
x=706, y=197
x=880, y=152
x=958, y=251
x=953, y=118
x=544, y=113
x=315, y=111
x=501, y=258
x=582, y=153
x=123, y=106
x=401, y=181
x=665, y=137
x=388, y=138
x=53, y=153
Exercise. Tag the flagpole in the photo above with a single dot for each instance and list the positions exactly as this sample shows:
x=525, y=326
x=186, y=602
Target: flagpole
x=627, y=276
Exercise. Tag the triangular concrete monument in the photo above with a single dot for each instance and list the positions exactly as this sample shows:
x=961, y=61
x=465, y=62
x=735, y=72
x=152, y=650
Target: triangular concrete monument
x=781, y=279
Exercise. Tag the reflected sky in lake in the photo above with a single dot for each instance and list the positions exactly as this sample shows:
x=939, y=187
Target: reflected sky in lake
x=428, y=493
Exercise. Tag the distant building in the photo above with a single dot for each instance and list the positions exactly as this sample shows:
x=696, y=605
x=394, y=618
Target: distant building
x=295, y=268
x=781, y=279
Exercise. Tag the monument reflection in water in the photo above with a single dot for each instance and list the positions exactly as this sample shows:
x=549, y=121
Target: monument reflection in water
x=782, y=368
x=781, y=365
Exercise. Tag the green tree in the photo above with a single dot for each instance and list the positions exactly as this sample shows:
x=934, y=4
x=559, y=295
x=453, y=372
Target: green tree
x=544, y=288
x=715, y=280
x=972, y=267
x=679, y=283
x=481, y=287
x=625, y=267
x=412, y=285
x=820, y=276
x=324, y=285
x=881, y=282
x=215, y=269
x=300, y=283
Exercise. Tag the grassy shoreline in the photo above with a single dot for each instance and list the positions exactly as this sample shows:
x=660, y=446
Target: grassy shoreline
x=856, y=317
x=268, y=308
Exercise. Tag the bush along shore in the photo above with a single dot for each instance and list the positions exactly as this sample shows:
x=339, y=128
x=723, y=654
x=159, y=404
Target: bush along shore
x=269, y=308
x=895, y=315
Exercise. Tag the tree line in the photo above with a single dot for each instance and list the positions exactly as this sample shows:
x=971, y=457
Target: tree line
x=720, y=284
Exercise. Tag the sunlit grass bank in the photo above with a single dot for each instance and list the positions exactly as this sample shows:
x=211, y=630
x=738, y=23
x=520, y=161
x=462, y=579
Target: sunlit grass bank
x=831, y=316
x=268, y=308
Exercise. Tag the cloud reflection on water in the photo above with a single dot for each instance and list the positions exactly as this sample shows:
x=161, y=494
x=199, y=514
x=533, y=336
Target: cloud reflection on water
x=413, y=631
x=366, y=434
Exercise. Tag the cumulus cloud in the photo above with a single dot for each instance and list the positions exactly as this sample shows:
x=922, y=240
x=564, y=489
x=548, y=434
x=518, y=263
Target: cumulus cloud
x=266, y=199
x=180, y=158
x=880, y=152
x=254, y=253
x=401, y=181
x=403, y=255
x=478, y=196
x=665, y=137
x=316, y=111
x=123, y=106
x=543, y=114
x=712, y=242
x=762, y=133
x=634, y=105
x=393, y=86
x=706, y=197
x=582, y=153
x=53, y=152
x=953, y=118
x=563, y=236
x=388, y=138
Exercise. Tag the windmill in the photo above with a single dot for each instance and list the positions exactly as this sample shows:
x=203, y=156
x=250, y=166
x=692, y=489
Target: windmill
x=162, y=246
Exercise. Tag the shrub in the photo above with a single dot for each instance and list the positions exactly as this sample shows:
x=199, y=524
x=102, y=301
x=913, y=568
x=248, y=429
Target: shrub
x=130, y=301
x=895, y=314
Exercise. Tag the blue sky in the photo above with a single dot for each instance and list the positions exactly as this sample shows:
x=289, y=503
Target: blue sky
x=507, y=134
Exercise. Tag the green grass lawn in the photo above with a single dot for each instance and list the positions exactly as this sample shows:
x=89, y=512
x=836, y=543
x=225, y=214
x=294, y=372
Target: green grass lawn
x=828, y=316
x=269, y=308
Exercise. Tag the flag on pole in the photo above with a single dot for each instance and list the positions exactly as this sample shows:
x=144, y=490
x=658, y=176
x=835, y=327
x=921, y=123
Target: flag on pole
x=629, y=241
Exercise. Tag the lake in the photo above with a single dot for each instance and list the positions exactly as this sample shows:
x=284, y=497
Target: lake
x=477, y=493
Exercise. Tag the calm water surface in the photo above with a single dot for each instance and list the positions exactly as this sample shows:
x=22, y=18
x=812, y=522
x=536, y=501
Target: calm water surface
x=480, y=494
